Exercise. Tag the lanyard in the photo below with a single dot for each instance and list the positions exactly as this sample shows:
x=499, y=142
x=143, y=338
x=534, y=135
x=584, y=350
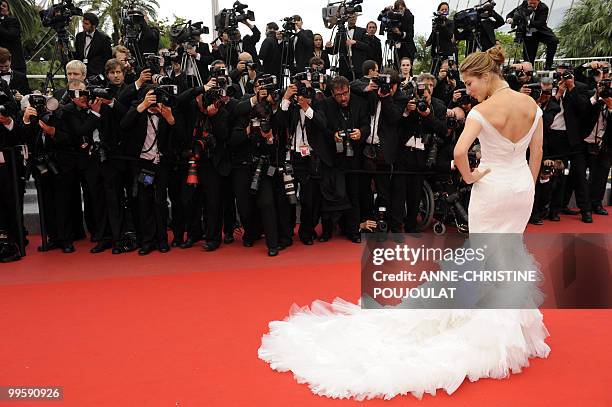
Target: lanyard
x=154, y=140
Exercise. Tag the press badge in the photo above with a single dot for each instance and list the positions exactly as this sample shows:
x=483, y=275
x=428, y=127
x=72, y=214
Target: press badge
x=304, y=150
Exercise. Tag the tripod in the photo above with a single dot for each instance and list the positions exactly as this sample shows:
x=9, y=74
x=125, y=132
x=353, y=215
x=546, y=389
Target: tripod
x=131, y=43
x=190, y=67
x=285, y=73
x=61, y=53
x=391, y=55
x=340, y=56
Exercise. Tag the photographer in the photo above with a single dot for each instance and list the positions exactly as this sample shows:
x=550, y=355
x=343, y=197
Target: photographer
x=309, y=152
x=448, y=81
x=568, y=132
x=351, y=47
x=16, y=80
x=244, y=75
x=148, y=38
x=10, y=136
x=518, y=75
x=592, y=73
x=599, y=144
x=92, y=46
x=374, y=43
x=272, y=184
x=550, y=170
x=271, y=50
x=404, y=34
x=386, y=103
x=441, y=39
x=232, y=44
x=198, y=52
x=530, y=18
x=70, y=134
x=348, y=126
x=104, y=173
x=10, y=37
x=208, y=165
x=302, y=45
x=424, y=124
x=151, y=125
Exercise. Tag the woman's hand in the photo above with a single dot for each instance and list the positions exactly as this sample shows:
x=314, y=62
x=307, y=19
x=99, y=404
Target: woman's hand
x=476, y=175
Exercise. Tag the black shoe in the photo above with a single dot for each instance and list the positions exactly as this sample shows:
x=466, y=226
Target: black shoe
x=307, y=241
x=228, y=239
x=324, y=238
x=568, y=211
x=283, y=246
x=355, y=238
x=177, y=242
x=554, y=217
x=188, y=243
x=100, y=247
x=163, y=247
x=211, y=246
x=9, y=252
x=587, y=217
x=145, y=250
x=599, y=210
x=117, y=250
x=247, y=243
x=536, y=221
x=273, y=252
x=69, y=248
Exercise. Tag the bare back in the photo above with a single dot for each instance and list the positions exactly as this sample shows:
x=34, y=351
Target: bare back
x=511, y=113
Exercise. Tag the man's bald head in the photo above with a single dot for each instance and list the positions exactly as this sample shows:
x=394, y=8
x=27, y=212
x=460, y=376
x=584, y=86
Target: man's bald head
x=245, y=56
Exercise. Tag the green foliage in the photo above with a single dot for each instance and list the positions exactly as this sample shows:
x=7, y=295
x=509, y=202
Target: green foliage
x=586, y=29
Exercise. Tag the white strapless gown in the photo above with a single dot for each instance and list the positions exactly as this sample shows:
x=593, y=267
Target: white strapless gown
x=343, y=351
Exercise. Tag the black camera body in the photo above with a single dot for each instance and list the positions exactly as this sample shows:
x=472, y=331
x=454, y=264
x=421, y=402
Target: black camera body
x=165, y=94
x=389, y=20
x=45, y=164
x=227, y=20
x=384, y=83
x=605, y=90
x=261, y=115
x=152, y=62
x=557, y=76
x=536, y=90
x=469, y=20
x=58, y=16
x=99, y=92
x=188, y=32
x=421, y=101
x=8, y=105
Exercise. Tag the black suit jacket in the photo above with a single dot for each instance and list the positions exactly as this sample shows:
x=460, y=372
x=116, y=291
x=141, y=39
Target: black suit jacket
x=575, y=105
x=250, y=41
x=375, y=52
x=10, y=38
x=99, y=52
x=408, y=49
x=538, y=21
x=360, y=52
x=19, y=82
x=359, y=118
x=149, y=40
x=270, y=54
x=549, y=112
x=135, y=125
x=489, y=25
x=303, y=49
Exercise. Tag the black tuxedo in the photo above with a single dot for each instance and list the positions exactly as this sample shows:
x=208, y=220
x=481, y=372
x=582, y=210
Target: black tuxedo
x=100, y=51
x=148, y=41
x=375, y=53
x=10, y=38
x=135, y=124
x=303, y=49
x=19, y=81
x=360, y=53
x=575, y=104
x=489, y=25
x=270, y=54
x=408, y=48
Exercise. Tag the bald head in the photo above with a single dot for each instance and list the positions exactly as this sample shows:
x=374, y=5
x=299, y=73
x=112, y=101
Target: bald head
x=245, y=56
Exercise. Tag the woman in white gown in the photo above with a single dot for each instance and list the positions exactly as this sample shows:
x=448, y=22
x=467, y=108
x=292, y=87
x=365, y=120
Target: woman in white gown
x=344, y=351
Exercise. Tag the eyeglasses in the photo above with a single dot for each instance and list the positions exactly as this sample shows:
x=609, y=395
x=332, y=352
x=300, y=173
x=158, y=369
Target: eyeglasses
x=341, y=94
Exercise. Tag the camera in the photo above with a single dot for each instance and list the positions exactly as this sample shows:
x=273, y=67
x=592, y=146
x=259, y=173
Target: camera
x=8, y=105
x=171, y=56
x=389, y=20
x=165, y=94
x=260, y=116
x=146, y=177
x=338, y=13
x=464, y=99
x=536, y=90
x=256, y=180
x=289, y=183
x=469, y=20
x=432, y=153
x=100, y=150
x=132, y=20
x=520, y=23
x=188, y=32
x=45, y=164
x=152, y=62
x=604, y=88
x=227, y=20
x=558, y=76
x=421, y=102
x=309, y=75
x=45, y=107
x=58, y=16
x=98, y=92
x=384, y=83
x=452, y=122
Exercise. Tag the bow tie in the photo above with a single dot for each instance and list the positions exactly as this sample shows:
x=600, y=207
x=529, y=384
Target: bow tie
x=89, y=35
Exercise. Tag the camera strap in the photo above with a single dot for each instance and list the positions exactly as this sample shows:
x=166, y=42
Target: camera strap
x=154, y=143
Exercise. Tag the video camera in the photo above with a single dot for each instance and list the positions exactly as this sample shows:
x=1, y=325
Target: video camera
x=227, y=20
x=58, y=15
x=389, y=20
x=384, y=83
x=469, y=19
x=338, y=13
x=132, y=20
x=188, y=32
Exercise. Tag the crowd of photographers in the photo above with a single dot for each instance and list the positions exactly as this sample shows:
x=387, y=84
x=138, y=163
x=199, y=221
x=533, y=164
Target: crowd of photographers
x=216, y=132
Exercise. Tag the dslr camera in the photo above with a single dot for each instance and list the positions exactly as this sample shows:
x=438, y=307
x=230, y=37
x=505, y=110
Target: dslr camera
x=165, y=94
x=384, y=83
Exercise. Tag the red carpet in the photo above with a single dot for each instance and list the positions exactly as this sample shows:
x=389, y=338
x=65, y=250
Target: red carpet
x=182, y=329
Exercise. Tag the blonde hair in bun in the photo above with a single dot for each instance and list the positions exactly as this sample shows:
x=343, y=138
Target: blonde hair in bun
x=480, y=63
